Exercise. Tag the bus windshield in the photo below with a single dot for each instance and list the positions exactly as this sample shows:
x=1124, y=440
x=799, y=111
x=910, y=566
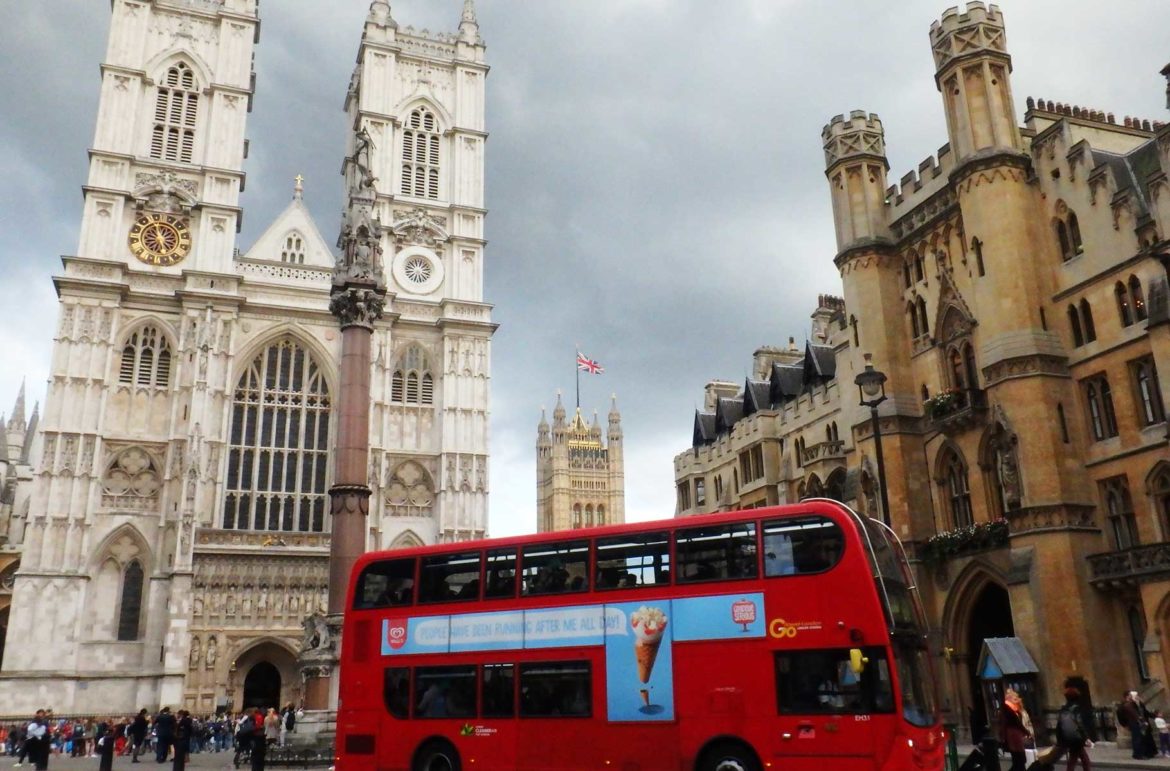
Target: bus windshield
x=907, y=623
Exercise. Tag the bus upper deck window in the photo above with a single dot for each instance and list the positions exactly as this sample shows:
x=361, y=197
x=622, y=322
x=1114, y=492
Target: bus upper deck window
x=449, y=577
x=385, y=584
x=631, y=561
x=555, y=568
x=716, y=552
x=500, y=578
x=801, y=545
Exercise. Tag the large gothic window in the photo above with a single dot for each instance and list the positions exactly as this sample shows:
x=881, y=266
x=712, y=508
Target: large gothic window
x=146, y=359
x=1149, y=393
x=176, y=110
x=957, y=487
x=1159, y=490
x=279, y=443
x=130, y=607
x=420, y=155
x=412, y=382
x=1099, y=399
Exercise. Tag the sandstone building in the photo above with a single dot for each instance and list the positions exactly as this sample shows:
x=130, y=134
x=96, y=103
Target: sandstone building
x=177, y=532
x=580, y=476
x=1013, y=288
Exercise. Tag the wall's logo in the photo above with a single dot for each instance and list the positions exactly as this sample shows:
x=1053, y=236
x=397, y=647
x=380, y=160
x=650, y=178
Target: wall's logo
x=396, y=633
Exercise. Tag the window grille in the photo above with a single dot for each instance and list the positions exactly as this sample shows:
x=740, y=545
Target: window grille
x=420, y=155
x=146, y=359
x=176, y=112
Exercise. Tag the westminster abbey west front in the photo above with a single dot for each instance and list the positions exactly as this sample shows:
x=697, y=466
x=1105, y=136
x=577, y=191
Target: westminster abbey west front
x=176, y=530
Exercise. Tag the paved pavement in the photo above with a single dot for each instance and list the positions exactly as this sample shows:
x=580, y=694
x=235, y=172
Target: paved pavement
x=1105, y=756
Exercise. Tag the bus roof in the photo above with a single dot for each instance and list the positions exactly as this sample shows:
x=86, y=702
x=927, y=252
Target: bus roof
x=817, y=505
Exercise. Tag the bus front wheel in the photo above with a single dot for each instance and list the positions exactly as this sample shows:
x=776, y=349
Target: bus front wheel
x=728, y=756
x=437, y=756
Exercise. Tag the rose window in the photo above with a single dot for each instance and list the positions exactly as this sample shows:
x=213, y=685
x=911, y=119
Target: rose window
x=418, y=269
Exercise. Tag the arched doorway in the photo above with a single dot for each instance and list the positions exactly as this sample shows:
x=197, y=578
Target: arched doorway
x=990, y=615
x=262, y=686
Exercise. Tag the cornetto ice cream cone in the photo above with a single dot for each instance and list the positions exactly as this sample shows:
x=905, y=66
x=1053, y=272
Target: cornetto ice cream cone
x=648, y=625
x=646, y=652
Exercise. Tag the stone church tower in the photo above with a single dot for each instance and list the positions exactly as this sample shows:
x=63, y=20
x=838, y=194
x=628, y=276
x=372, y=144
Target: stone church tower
x=178, y=529
x=580, y=478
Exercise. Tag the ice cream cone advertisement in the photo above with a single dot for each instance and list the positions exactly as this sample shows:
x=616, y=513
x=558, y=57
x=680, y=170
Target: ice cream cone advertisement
x=639, y=671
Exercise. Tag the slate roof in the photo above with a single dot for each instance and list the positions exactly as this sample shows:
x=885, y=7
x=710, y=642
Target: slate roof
x=1009, y=656
x=786, y=383
x=704, y=428
x=1132, y=171
x=728, y=411
x=819, y=363
x=756, y=396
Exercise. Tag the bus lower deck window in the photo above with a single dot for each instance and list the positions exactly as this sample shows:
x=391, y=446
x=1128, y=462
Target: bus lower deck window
x=498, y=690
x=824, y=682
x=444, y=691
x=556, y=689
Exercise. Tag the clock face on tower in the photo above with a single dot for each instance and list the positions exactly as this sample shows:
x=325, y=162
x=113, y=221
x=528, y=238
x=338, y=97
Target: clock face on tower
x=160, y=239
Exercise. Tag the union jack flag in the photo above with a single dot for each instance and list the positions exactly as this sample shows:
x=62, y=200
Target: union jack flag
x=585, y=364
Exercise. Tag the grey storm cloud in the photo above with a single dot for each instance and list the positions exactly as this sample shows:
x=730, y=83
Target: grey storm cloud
x=654, y=175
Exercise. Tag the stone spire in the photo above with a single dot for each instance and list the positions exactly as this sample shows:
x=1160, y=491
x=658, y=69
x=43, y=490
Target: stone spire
x=469, y=25
x=595, y=426
x=17, y=421
x=559, y=412
x=614, y=433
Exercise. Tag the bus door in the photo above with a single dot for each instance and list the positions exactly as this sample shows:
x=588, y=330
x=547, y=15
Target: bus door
x=826, y=701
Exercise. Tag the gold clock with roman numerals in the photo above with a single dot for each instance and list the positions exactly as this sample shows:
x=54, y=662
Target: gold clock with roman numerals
x=160, y=239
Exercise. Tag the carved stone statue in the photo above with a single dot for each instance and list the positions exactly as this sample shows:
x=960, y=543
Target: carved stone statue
x=196, y=654
x=317, y=636
x=212, y=652
x=1009, y=472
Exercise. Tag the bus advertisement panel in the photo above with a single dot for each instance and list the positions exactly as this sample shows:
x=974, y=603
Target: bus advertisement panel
x=788, y=637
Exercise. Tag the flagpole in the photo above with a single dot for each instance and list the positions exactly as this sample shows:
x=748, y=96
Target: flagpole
x=577, y=367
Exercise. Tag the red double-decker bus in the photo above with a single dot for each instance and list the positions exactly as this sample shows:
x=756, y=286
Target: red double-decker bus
x=788, y=637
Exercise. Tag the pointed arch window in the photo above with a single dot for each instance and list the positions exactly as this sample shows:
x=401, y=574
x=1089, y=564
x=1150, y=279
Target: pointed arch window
x=919, y=268
x=906, y=279
x=1159, y=490
x=1122, y=523
x=957, y=487
x=279, y=443
x=130, y=606
x=1087, y=321
x=1138, y=299
x=1066, y=252
x=1149, y=392
x=1137, y=635
x=1099, y=399
x=420, y=155
x=176, y=112
x=1121, y=292
x=923, y=324
x=1074, y=233
x=1074, y=323
x=912, y=312
x=146, y=359
x=412, y=382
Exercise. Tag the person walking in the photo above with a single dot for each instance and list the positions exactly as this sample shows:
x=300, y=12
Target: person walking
x=37, y=741
x=259, y=745
x=107, y=739
x=164, y=724
x=183, y=728
x=1071, y=736
x=137, y=734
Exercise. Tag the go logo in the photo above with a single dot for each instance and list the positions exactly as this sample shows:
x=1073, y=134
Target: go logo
x=779, y=628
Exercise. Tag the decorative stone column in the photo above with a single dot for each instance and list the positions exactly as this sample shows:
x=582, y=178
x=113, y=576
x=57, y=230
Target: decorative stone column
x=357, y=300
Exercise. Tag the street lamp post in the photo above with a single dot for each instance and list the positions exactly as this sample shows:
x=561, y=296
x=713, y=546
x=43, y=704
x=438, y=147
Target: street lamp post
x=871, y=384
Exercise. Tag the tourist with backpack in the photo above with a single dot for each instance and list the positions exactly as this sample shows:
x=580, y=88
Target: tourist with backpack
x=245, y=730
x=1070, y=731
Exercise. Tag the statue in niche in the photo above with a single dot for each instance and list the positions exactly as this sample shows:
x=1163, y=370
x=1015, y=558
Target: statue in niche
x=246, y=605
x=231, y=600
x=197, y=606
x=196, y=654
x=362, y=146
x=1009, y=473
x=212, y=652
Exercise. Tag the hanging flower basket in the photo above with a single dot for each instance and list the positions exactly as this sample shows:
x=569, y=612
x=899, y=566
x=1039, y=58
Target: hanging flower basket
x=965, y=540
x=943, y=403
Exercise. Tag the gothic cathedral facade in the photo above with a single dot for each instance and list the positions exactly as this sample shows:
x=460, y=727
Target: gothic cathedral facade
x=177, y=533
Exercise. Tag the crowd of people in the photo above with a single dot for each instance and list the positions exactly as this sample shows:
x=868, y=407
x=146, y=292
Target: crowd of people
x=166, y=736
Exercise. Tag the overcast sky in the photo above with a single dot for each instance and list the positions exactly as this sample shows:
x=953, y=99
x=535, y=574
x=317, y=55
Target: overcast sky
x=655, y=176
